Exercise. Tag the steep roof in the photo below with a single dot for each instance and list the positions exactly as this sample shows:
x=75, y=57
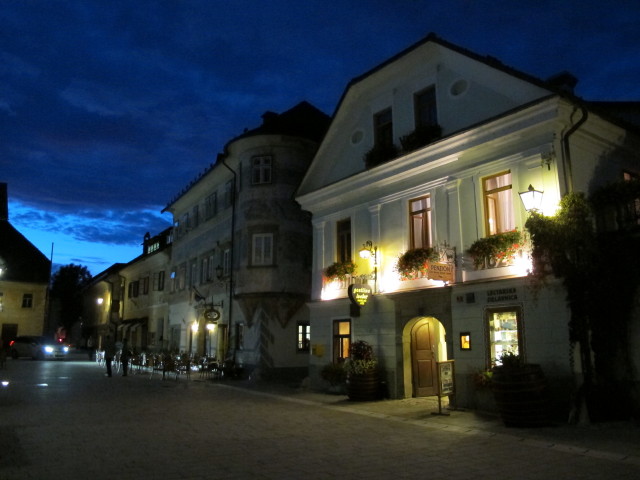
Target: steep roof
x=23, y=261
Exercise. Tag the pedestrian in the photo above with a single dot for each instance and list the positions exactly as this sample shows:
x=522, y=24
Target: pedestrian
x=124, y=357
x=109, y=352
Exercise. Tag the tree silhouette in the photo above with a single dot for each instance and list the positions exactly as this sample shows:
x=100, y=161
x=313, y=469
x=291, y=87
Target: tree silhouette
x=66, y=289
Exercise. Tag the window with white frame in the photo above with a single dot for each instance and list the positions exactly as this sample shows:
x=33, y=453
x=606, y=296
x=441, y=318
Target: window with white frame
x=27, y=300
x=420, y=217
x=498, y=203
x=261, y=170
x=262, y=249
x=341, y=340
x=304, y=337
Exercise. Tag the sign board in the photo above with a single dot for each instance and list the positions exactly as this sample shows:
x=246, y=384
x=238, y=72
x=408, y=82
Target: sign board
x=359, y=293
x=212, y=314
x=441, y=271
x=446, y=385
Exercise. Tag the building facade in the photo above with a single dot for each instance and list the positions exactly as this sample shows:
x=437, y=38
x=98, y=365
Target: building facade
x=241, y=256
x=421, y=171
x=24, y=281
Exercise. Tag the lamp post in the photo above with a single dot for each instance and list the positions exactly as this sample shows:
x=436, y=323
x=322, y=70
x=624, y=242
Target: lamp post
x=366, y=252
x=531, y=199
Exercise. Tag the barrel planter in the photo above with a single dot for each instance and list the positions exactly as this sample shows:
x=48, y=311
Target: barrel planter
x=521, y=396
x=364, y=387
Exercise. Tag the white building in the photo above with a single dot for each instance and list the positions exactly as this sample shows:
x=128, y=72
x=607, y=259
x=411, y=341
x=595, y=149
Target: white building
x=430, y=150
x=241, y=256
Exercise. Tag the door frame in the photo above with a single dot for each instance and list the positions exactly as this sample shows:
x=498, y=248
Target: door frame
x=441, y=349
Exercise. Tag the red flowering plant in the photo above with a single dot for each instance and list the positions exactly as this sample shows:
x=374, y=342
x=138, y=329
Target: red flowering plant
x=498, y=247
x=414, y=263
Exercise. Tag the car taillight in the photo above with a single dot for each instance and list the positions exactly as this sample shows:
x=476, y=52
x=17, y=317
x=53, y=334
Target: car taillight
x=11, y=343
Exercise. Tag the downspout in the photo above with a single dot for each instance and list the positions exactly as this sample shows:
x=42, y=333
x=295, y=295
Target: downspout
x=223, y=157
x=566, y=149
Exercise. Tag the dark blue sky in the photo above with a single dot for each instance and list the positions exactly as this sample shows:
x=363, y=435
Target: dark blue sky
x=108, y=108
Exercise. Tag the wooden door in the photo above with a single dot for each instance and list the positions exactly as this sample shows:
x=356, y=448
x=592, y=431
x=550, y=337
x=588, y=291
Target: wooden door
x=424, y=356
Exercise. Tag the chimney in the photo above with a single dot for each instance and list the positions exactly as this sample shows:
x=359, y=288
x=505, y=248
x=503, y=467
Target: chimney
x=4, y=202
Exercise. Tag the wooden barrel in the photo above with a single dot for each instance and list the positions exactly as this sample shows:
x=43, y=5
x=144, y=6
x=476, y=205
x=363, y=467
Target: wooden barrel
x=364, y=387
x=521, y=396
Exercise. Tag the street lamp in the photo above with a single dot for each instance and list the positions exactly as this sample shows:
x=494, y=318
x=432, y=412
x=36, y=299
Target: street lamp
x=366, y=252
x=531, y=199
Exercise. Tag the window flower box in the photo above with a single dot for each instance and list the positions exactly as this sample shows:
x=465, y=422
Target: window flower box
x=496, y=250
x=414, y=263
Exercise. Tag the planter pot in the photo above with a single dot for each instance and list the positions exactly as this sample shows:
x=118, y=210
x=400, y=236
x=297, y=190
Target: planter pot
x=521, y=396
x=364, y=387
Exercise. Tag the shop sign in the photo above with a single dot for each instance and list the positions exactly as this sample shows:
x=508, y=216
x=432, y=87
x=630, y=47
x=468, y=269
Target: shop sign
x=441, y=271
x=359, y=293
x=502, y=295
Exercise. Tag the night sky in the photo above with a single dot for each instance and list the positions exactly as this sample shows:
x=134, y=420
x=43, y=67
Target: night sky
x=109, y=108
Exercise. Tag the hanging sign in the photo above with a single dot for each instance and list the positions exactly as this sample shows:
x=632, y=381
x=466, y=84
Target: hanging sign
x=359, y=293
x=212, y=314
x=441, y=271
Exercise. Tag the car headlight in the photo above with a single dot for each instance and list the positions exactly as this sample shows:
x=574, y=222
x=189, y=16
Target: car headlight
x=65, y=349
x=48, y=349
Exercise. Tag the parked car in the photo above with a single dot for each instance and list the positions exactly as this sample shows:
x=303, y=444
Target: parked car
x=38, y=348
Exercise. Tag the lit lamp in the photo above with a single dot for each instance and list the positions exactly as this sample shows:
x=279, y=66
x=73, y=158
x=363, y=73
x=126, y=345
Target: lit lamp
x=194, y=327
x=99, y=300
x=531, y=199
x=368, y=250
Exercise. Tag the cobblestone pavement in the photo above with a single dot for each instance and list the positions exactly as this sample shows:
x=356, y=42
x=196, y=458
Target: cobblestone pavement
x=65, y=420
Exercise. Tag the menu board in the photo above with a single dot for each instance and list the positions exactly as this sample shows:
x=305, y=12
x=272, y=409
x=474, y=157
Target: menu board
x=446, y=384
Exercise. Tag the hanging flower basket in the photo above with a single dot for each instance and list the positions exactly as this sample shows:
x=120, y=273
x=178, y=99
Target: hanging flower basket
x=339, y=270
x=497, y=249
x=414, y=263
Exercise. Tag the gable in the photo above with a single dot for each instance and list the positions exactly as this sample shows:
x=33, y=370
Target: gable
x=468, y=91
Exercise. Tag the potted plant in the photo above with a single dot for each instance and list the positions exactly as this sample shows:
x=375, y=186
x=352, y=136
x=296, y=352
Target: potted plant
x=520, y=391
x=335, y=375
x=420, y=137
x=339, y=270
x=415, y=262
x=380, y=154
x=498, y=248
x=361, y=367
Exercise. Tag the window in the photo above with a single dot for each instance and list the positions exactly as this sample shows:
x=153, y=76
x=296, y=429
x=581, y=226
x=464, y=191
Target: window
x=424, y=104
x=383, y=128
x=344, y=240
x=498, y=203
x=228, y=194
x=504, y=332
x=260, y=170
x=193, y=277
x=182, y=276
x=262, y=249
x=27, y=300
x=211, y=206
x=134, y=289
x=341, y=340
x=304, y=337
x=158, y=281
x=153, y=247
x=145, y=286
x=204, y=270
x=226, y=263
x=195, y=216
x=212, y=268
x=420, y=214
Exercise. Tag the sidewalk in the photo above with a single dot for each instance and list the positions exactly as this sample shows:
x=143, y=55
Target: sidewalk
x=617, y=441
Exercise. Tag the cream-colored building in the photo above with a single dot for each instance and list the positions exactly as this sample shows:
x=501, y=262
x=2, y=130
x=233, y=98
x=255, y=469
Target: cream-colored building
x=24, y=281
x=241, y=255
x=430, y=150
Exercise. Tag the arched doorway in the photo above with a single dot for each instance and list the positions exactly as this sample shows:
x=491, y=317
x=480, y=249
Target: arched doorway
x=424, y=345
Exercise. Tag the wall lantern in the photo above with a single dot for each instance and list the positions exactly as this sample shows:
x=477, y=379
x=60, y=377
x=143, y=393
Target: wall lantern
x=99, y=300
x=194, y=327
x=532, y=199
x=367, y=251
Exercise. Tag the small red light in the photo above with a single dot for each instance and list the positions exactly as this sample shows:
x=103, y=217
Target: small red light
x=11, y=343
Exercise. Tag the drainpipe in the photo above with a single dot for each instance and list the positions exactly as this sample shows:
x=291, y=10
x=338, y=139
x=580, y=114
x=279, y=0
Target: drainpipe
x=222, y=157
x=566, y=149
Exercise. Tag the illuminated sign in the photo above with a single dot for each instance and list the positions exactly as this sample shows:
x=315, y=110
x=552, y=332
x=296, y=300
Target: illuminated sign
x=359, y=294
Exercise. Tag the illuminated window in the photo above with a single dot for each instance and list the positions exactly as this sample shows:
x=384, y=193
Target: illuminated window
x=383, y=128
x=304, y=337
x=498, y=203
x=260, y=170
x=27, y=300
x=504, y=332
x=425, y=107
x=420, y=214
x=341, y=340
x=262, y=249
x=344, y=240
